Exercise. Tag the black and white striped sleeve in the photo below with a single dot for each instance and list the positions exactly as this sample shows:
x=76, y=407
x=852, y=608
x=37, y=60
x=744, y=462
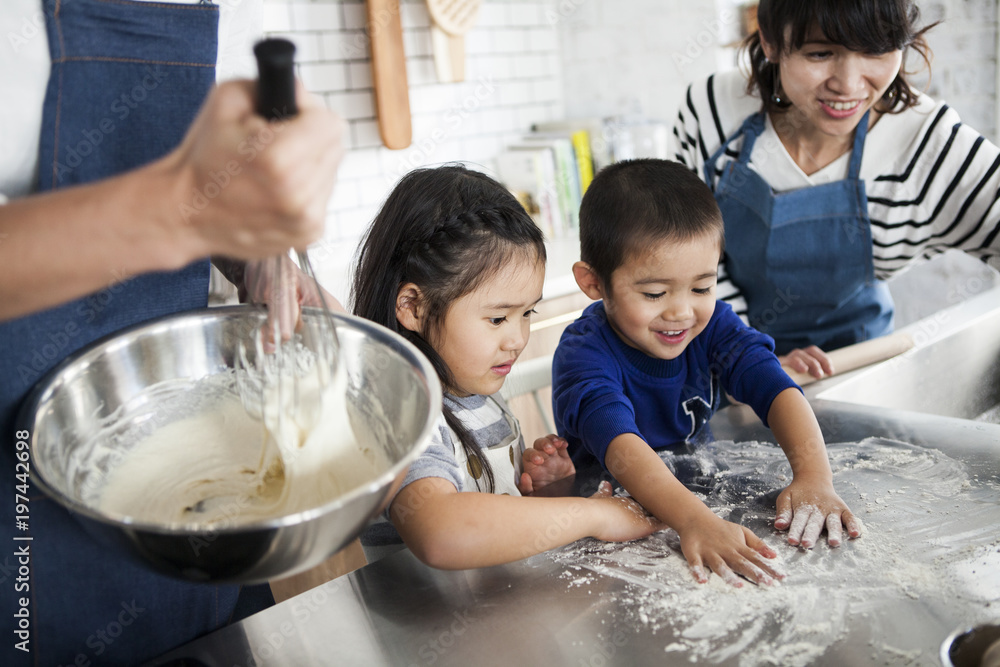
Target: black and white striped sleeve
x=942, y=193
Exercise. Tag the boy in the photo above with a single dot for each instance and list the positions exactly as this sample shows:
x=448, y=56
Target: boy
x=641, y=370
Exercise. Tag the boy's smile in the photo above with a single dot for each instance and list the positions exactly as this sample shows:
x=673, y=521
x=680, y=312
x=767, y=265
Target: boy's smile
x=663, y=296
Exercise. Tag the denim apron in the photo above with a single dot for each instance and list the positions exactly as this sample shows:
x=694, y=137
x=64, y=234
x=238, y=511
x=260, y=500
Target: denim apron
x=803, y=259
x=127, y=79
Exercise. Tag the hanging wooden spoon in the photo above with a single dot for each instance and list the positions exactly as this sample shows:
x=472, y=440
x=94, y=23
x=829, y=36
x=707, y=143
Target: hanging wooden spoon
x=450, y=20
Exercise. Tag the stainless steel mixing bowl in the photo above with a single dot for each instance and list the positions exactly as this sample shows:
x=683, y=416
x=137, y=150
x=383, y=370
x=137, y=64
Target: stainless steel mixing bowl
x=394, y=397
x=978, y=646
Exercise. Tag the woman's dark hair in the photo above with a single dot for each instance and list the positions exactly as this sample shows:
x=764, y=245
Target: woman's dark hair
x=447, y=230
x=867, y=26
x=634, y=203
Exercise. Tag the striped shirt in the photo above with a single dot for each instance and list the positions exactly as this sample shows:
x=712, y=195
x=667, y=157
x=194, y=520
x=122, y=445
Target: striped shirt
x=489, y=425
x=932, y=182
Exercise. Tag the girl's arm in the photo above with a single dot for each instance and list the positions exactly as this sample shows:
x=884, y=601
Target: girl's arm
x=809, y=503
x=725, y=548
x=452, y=531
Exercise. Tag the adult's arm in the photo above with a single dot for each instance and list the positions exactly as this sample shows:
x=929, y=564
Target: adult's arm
x=236, y=186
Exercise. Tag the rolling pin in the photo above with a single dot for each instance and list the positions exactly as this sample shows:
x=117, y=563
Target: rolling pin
x=858, y=355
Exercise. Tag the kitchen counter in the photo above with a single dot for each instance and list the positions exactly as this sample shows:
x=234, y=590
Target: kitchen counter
x=927, y=487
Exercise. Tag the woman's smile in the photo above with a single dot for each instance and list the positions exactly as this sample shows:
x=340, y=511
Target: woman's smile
x=837, y=109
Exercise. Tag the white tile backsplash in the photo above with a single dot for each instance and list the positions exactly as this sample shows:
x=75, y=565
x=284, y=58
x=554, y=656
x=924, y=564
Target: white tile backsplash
x=513, y=78
x=324, y=77
x=315, y=16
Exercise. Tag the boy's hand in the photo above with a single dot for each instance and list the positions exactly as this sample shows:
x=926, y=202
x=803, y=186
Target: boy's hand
x=545, y=462
x=626, y=519
x=806, y=507
x=727, y=549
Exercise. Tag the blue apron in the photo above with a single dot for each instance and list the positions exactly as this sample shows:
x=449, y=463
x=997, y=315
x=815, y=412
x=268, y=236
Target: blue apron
x=803, y=259
x=127, y=79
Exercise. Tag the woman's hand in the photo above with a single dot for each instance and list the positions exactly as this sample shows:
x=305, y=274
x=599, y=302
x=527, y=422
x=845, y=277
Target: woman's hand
x=811, y=360
x=547, y=461
x=806, y=507
x=727, y=549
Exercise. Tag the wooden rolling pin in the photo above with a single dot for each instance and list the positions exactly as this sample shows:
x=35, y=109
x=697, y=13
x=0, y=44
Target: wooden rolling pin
x=860, y=354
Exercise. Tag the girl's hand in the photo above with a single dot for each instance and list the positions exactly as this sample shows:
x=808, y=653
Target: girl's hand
x=806, y=507
x=545, y=462
x=810, y=360
x=624, y=519
x=727, y=549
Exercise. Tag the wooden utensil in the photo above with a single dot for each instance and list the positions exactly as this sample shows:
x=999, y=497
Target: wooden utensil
x=450, y=20
x=392, y=93
x=858, y=355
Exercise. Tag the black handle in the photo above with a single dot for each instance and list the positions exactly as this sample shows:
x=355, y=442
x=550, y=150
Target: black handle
x=275, y=78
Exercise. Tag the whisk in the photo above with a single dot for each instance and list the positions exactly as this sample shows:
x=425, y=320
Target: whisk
x=284, y=386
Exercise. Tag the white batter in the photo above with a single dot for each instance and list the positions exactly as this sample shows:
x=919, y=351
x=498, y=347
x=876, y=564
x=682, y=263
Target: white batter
x=222, y=466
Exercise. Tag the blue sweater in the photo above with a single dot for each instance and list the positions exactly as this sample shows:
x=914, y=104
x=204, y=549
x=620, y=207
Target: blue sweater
x=602, y=388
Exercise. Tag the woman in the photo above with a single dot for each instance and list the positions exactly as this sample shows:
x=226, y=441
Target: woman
x=832, y=173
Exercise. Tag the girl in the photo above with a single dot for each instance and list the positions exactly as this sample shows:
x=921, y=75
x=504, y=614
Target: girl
x=454, y=264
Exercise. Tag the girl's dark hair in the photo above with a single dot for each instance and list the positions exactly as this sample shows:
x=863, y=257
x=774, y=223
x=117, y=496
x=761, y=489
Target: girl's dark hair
x=867, y=26
x=634, y=203
x=447, y=230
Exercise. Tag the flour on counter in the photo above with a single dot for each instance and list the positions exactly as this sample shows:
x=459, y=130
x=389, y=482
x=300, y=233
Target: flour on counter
x=918, y=506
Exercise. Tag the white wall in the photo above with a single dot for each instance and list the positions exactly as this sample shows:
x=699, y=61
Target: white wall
x=637, y=56
x=964, y=70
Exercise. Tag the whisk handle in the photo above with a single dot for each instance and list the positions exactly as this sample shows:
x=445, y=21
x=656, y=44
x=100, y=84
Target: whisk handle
x=275, y=78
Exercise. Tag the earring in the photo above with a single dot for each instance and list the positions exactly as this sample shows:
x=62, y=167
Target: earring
x=775, y=97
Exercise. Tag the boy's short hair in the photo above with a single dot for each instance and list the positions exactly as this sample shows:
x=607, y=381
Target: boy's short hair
x=634, y=203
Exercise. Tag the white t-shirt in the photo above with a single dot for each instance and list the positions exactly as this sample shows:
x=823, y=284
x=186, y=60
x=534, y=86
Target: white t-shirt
x=24, y=74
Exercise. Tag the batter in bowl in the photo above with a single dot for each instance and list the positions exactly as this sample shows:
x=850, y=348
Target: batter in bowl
x=223, y=467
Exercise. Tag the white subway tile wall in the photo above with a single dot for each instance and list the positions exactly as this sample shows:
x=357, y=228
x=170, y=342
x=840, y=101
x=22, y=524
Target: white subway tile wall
x=513, y=78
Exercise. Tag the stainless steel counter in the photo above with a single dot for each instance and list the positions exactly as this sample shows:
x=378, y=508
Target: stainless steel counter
x=930, y=562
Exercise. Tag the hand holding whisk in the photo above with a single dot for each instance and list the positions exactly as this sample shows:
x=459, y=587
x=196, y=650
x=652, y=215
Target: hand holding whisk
x=281, y=375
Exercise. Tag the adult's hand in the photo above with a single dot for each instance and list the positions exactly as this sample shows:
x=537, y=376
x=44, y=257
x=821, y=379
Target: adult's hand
x=251, y=188
x=811, y=360
x=236, y=186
